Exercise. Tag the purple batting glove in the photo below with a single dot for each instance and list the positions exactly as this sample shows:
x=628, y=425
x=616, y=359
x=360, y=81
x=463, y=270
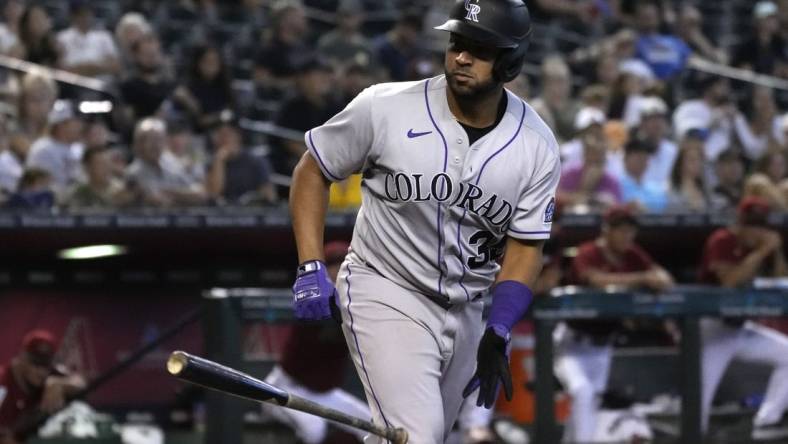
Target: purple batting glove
x=314, y=294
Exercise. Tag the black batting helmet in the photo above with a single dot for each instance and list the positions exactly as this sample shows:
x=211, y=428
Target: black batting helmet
x=502, y=24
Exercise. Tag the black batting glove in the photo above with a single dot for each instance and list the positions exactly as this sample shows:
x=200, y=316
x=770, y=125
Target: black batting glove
x=492, y=367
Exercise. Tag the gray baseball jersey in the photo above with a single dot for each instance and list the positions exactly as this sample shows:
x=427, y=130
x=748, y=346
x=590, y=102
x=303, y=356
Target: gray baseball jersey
x=435, y=212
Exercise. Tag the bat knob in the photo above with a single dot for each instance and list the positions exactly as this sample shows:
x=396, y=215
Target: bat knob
x=177, y=362
x=400, y=436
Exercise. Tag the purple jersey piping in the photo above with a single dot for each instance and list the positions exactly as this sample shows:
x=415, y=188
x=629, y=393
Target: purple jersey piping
x=479, y=178
x=320, y=159
x=361, y=355
x=445, y=162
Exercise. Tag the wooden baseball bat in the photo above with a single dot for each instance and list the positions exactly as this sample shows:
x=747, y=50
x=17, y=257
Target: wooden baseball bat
x=215, y=376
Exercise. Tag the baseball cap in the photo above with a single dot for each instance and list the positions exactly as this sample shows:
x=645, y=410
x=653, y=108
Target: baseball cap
x=764, y=9
x=61, y=111
x=40, y=347
x=618, y=215
x=652, y=106
x=589, y=116
x=754, y=211
x=335, y=251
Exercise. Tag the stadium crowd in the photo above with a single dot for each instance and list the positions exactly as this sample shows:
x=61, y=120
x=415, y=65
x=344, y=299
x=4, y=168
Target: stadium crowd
x=205, y=102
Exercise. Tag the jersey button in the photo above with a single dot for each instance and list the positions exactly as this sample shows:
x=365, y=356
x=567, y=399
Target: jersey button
x=459, y=141
x=457, y=159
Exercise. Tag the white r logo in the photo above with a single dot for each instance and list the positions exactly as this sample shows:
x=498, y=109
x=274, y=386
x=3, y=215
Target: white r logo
x=473, y=11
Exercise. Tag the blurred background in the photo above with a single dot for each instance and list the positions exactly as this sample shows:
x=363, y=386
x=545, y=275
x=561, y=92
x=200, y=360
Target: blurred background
x=146, y=149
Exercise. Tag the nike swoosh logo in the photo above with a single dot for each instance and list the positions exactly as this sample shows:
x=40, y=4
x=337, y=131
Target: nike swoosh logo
x=412, y=135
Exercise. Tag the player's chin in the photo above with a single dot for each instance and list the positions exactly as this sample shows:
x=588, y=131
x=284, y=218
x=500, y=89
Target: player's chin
x=462, y=87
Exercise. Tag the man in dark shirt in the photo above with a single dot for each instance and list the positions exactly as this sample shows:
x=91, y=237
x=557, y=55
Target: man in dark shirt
x=311, y=106
x=401, y=52
x=286, y=45
x=733, y=257
x=766, y=47
x=32, y=384
x=150, y=86
x=236, y=176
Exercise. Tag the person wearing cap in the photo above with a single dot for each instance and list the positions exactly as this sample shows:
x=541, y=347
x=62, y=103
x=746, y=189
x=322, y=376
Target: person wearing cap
x=584, y=348
x=765, y=48
x=100, y=189
x=60, y=152
x=310, y=106
x=313, y=365
x=636, y=188
x=584, y=180
x=236, y=175
x=399, y=51
x=284, y=42
x=32, y=383
x=589, y=122
x=733, y=257
x=87, y=51
x=555, y=104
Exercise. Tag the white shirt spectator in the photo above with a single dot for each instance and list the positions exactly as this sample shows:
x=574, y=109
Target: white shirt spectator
x=62, y=161
x=697, y=114
x=94, y=47
x=11, y=170
x=660, y=164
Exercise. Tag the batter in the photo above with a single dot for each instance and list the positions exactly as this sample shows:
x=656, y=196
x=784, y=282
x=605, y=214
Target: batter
x=456, y=170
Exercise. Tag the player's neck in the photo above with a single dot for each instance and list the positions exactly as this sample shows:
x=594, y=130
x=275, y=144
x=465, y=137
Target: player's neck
x=477, y=111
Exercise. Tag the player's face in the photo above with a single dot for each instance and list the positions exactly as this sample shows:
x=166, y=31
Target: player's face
x=469, y=67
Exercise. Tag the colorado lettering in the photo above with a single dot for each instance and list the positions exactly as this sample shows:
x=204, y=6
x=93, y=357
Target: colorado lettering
x=441, y=188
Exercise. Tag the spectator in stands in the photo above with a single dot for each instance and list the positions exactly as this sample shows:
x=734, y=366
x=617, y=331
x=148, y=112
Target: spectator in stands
x=38, y=94
x=636, y=188
x=312, y=106
x=654, y=129
x=712, y=113
x=689, y=28
x=584, y=348
x=38, y=37
x=687, y=180
x=158, y=183
x=87, y=51
x=131, y=28
x=34, y=191
x=400, y=52
x=520, y=86
x=150, y=86
x=313, y=365
x=761, y=128
x=10, y=166
x=586, y=184
x=555, y=104
x=346, y=44
x=208, y=86
x=268, y=93
x=237, y=176
x=763, y=50
x=733, y=257
x=729, y=171
x=60, y=152
x=33, y=383
x=9, y=30
x=284, y=45
x=101, y=189
x=355, y=78
x=185, y=151
x=95, y=134
x=665, y=54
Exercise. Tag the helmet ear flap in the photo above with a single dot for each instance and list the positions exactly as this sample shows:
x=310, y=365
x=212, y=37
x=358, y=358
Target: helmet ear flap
x=509, y=64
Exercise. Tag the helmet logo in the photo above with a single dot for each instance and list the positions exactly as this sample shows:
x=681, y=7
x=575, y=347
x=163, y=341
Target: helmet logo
x=473, y=11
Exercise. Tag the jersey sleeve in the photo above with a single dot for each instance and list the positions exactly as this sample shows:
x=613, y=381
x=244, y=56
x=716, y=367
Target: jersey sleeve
x=533, y=216
x=342, y=144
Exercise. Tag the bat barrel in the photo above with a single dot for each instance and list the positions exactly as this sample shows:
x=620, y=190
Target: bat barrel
x=218, y=377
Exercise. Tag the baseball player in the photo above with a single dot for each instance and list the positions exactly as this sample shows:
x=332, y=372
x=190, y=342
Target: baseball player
x=455, y=170
x=733, y=257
